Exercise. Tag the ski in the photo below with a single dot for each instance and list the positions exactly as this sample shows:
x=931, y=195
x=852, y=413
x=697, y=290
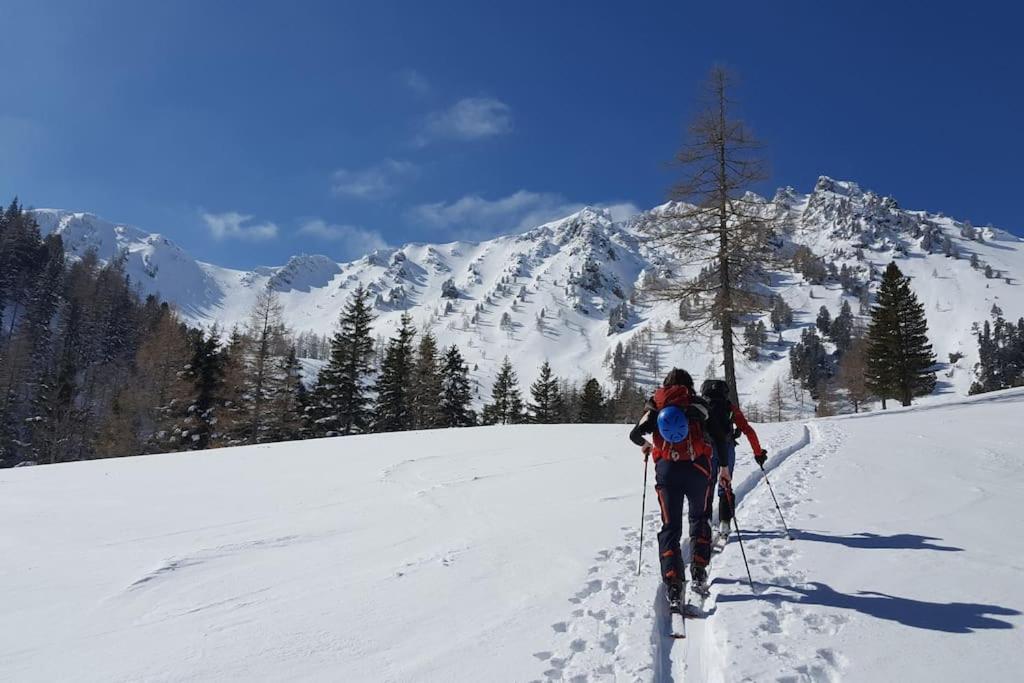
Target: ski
x=678, y=621
x=718, y=543
x=677, y=614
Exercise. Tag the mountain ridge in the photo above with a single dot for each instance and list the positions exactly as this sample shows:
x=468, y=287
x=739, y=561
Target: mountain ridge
x=571, y=289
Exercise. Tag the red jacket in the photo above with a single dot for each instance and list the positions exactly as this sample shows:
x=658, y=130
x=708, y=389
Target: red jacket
x=696, y=446
x=741, y=422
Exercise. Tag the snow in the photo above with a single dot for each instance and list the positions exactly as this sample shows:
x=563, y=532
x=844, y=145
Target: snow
x=509, y=553
x=576, y=270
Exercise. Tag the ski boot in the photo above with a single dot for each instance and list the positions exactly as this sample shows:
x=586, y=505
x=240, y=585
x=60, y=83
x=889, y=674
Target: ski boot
x=700, y=581
x=674, y=593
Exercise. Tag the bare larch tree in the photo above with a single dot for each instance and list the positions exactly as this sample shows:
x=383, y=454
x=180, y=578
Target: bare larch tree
x=715, y=224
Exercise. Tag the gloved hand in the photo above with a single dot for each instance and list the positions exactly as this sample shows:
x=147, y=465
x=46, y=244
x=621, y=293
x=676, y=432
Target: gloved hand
x=761, y=457
x=646, y=449
x=724, y=478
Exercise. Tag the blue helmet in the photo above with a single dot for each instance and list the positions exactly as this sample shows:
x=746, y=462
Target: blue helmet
x=672, y=424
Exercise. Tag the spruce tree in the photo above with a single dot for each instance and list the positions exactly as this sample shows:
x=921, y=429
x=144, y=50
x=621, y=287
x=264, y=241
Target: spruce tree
x=289, y=401
x=506, y=406
x=899, y=357
x=456, y=394
x=340, y=401
x=205, y=372
x=824, y=321
x=426, y=386
x=781, y=315
x=592, y=405
x=841, y=329
x=394, y=410
x=546, y=407
x=809, y=362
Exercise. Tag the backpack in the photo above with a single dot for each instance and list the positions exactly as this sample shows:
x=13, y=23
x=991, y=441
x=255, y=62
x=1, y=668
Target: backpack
x=720, y=418
x=696, y=445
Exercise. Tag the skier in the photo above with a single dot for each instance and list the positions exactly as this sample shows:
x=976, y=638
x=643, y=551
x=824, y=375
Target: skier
x=682, y=463
x=725, y=424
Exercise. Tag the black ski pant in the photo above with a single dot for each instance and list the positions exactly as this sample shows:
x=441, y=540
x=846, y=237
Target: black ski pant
x=679, y=481
x=725, y=456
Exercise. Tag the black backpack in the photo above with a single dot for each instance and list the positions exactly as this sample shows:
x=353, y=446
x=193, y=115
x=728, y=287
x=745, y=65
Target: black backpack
x=720, y=420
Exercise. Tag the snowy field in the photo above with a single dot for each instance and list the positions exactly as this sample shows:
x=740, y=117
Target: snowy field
x=509, y=554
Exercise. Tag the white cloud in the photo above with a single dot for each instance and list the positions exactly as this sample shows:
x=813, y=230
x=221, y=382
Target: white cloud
x=471, y=118
x=620, y=211
x=354, y=240
x=414, y=81
x=234, y=225
x=375, y=182
x=473, y=217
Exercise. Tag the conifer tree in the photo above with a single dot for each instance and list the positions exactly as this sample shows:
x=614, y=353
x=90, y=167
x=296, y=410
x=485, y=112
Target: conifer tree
x=340, y=402
x=1000, y=354
x=824, y=321
x=841, y=329
x=506, y=406
x=592, y=404
x=264, y=376
x=852, y=368
x=426, y=394
x=899, y=357
x=288, y=403
x=809, y=362
x=56, y=422
x=205, y=372
x=781, y=315
x=394, y=411
x=546, y=407
x=777, y=401
x=717, y=222
x=456, y=393
x=626, y=403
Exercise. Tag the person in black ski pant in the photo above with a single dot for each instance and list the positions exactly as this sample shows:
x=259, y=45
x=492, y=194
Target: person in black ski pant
x=683, y=473
x=725, y=423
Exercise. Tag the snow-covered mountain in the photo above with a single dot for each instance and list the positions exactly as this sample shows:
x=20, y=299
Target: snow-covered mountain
x=552, y=291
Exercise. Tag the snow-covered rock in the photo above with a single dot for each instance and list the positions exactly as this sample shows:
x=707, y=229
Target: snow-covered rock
x=566, y=284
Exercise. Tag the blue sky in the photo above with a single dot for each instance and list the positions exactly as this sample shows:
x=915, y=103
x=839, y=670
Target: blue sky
x=248, y=132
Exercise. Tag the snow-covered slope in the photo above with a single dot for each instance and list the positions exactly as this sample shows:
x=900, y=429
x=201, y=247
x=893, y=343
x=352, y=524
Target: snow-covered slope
x=509, y=554
x=559, y=284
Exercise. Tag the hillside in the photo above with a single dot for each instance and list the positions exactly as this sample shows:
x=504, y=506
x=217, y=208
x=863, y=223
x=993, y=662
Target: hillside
x=509, y=554
x=558, y=285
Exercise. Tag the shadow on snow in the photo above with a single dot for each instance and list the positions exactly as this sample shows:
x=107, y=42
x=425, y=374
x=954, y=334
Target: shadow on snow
x=862, y=540
x=950, y=617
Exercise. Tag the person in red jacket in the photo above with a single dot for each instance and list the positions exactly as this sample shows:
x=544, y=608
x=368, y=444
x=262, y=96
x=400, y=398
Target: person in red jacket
x=725, y=423
x=683, y=473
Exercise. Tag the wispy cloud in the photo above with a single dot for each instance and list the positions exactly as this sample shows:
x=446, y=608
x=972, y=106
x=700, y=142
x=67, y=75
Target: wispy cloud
x=414, y=81
x=375, y=182
x=234, y=225
x=471, y=118
x=474, y=217
x=352, y=239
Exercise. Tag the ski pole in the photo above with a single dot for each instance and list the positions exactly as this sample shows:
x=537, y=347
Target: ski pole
x=739, y=536
x=767, y=481
x=643, y=509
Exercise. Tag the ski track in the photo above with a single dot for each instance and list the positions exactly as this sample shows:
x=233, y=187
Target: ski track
x=774, y=564
x=613, y=631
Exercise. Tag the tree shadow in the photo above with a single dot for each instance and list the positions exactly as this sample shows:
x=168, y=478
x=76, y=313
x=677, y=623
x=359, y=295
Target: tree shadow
x=948, y=617
x=863, y=540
